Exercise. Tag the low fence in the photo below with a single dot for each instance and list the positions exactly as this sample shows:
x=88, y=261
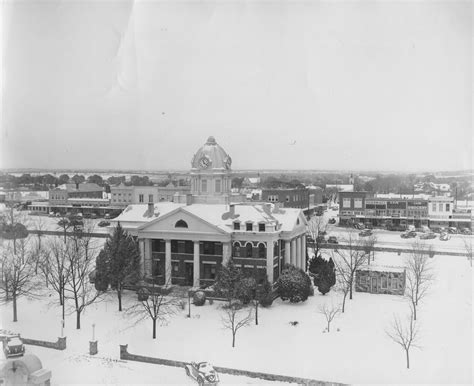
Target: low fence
x=61, y=233
x=124, y=354
x=60, y=344
x=389, y=249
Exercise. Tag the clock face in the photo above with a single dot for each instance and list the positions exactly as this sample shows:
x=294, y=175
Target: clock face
x=204, y=162
x=228, y=162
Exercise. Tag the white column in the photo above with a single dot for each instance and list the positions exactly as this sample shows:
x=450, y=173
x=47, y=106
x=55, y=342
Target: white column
x=148, y=256
x=298, y=252
x=167, y=262
x=226, y=252
x=287, y=252
x=293, y=252
x=141, y=246
x=196, y=265
x=270, y=261
x=304, y=252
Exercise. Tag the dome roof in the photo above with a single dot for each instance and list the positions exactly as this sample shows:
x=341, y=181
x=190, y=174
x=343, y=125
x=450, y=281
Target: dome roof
x=211, y=156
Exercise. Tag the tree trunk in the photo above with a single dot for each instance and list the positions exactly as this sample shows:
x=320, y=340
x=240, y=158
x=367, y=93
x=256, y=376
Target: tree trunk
x=154, y=328
x=78, y=320
x=408, y=359
x=344, y=302
x=350, y=291
x=256, y=313
x=119, y=295
x=414, y=311
x=233, y=339
x=328, y=325
x=15, y=316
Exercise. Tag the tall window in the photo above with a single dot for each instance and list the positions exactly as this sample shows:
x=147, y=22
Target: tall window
x=261, y=227
x=204, y=185
x=433, y=207
x=218, y=186
x=357, y=202
x=248, y=250
x=384, y=282
x=262, y=251
x=209, y=248
x=249, y=226
x=150, y=198
x=440, y=207
x=141, y=198
x=447, y=207
x=346, y=202
x=236, y=250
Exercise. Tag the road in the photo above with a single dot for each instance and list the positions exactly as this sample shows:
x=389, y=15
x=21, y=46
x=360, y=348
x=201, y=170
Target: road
x=391, y=239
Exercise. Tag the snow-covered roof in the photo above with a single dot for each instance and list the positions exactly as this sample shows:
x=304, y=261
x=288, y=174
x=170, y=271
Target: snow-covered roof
x=381, y=268
x=215, y=214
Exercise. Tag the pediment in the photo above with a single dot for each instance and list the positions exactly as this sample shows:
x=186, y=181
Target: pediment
x=177, y=220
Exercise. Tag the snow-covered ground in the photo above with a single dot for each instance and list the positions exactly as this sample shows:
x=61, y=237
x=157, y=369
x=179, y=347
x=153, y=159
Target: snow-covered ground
x=360, y=352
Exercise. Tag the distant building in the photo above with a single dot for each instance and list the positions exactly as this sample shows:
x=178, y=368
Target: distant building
x=303, y=198
x=60, y=195
x=123, y=195
x=401, y=210
x=251, y=182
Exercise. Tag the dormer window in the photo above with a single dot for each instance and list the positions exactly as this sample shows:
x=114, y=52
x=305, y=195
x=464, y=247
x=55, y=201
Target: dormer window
x=249, y=227
x=261, y=227
x=236, y=226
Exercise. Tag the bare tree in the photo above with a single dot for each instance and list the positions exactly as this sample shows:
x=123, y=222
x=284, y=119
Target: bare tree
x=316, y=229
x=419, y=274
x=468, y=248
x=14, y=226
x=405, y=334
x=80, y=259
x=55, y=268
x=17, y=272
x=347, y=261
x=329, y=312
x=235, y=317
x=154, y=304
x=369, y=247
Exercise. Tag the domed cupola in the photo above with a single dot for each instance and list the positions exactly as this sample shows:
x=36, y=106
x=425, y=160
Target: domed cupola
x=211, y=156
x=211, y=173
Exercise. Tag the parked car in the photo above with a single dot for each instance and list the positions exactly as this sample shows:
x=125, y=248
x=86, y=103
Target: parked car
x=321, y=239
x=365, y=233
x=397, y=228
x=425, y=229
x=466, y=231
x=369, y=226
x=359, y=225
x=427, y=236
x=309, y=239
x=94, y=215
x=408, y=235
x=203, y=373
x=104, y=223
x=332, y=240
x=12, y=344
x=332, y=221
x=52, y=214
x=444, y=236
x=452, y=230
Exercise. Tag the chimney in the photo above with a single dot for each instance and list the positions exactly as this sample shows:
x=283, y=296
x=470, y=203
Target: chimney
x=232, y=210
x=189, y=199
x=151, y=209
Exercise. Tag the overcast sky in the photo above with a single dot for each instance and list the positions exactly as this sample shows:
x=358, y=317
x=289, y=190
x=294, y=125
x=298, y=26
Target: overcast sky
x=316, y=85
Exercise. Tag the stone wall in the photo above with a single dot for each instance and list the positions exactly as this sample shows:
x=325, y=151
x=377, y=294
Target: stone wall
x=124, y=354
x=60, y=344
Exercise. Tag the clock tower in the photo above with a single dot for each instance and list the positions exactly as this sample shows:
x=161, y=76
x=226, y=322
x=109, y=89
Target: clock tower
x=211, y=174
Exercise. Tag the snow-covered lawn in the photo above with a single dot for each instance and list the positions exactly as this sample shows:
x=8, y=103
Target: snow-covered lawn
x=360, y=352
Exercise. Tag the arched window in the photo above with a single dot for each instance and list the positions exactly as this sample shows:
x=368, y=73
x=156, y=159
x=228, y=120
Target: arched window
x=181, y=224
x=262, y=251
x=249, y=250
x=236, y=252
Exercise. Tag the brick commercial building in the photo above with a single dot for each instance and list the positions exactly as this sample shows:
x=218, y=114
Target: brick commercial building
x=123, y=195
x=186, y=241
x=302, y=198
x=435, y=212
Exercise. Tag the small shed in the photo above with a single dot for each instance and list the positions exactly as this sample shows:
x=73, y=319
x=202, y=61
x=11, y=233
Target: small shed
x=380, y=280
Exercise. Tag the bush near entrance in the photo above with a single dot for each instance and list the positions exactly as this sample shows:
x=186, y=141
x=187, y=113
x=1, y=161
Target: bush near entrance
x=293, y=284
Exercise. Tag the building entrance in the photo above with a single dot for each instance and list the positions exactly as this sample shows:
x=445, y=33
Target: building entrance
x=188, y=273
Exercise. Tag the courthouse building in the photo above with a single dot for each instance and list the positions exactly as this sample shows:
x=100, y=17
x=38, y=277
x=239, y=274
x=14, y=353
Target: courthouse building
x=186, y=241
